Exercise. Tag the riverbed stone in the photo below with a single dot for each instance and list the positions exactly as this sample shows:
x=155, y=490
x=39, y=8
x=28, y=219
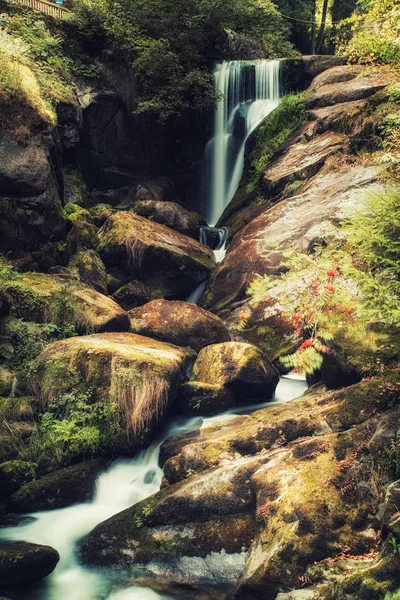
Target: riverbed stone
x=133, y=294
x=23, y=562
x=164, y=259
x=179, y=323
x=241, y=367
x=61, y=488
x=199, y=398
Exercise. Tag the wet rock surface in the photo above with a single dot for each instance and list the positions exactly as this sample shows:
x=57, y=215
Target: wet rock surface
x=23, y=562
x=61, y=488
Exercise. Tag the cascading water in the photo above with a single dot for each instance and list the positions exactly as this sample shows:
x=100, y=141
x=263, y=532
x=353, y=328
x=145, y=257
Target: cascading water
x=124, y=484
x=249, y=92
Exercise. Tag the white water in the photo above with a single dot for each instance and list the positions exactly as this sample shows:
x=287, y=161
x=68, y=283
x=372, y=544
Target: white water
x=124, y=484
x=249, y=91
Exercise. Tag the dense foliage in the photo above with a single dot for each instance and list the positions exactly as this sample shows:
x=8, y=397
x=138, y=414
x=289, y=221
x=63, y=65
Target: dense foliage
x=371, y=34
x=170, y=43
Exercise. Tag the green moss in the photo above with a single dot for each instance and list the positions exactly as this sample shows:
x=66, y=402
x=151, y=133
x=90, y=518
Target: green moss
x=274, y=130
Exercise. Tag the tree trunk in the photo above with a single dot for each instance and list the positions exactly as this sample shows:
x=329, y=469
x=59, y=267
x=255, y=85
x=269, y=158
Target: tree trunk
x=322, y=28
x=313, y=30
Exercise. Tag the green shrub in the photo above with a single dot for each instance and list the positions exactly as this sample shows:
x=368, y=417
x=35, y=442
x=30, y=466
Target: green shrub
x=75, y=426
x=275, y=130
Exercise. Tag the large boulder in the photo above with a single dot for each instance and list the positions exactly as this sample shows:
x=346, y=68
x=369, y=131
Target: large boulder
x=63, y=300
x=170, y=214
x=136, y=375
x=30, y=205
x=178, y=323
x=58, y=489
x=241, y=367
x=22, y=562
x=162, y=258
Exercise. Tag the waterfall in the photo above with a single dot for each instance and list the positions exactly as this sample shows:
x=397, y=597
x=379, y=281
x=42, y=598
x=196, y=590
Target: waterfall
x=249, y=91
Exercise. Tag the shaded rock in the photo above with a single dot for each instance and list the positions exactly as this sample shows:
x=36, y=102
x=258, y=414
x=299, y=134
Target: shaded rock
x=348, y=91
x=23, y=562
x=301, y=161
x=138, y=375
x=198, y=398
x=162, y=258
x=30, y=205
x=179, y=323
x=53, y=299
x=91, y=270
x=58, y=489
x=133, y=294
x=242, y=368
x=171, y=215
x=201, y=515
x=14, y=474
x=82, y=236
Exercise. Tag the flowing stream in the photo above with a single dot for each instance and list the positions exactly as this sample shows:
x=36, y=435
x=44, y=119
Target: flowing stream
x=249, y=92
x=125, y=483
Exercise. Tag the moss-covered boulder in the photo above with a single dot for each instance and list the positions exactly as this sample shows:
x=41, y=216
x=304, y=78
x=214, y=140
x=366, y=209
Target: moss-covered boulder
x=54, y=299
x=58, y=489
x=135, y=376
x=242, y=368
x=14, y=474
x=198, y=398
x=179, y=323
x=83, y=234
x=162, y=258
x=91, y=269
x=22, y=562
x=170, y=214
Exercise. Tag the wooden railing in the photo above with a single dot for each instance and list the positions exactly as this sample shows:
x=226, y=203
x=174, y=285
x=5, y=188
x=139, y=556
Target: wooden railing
x=49, y=8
